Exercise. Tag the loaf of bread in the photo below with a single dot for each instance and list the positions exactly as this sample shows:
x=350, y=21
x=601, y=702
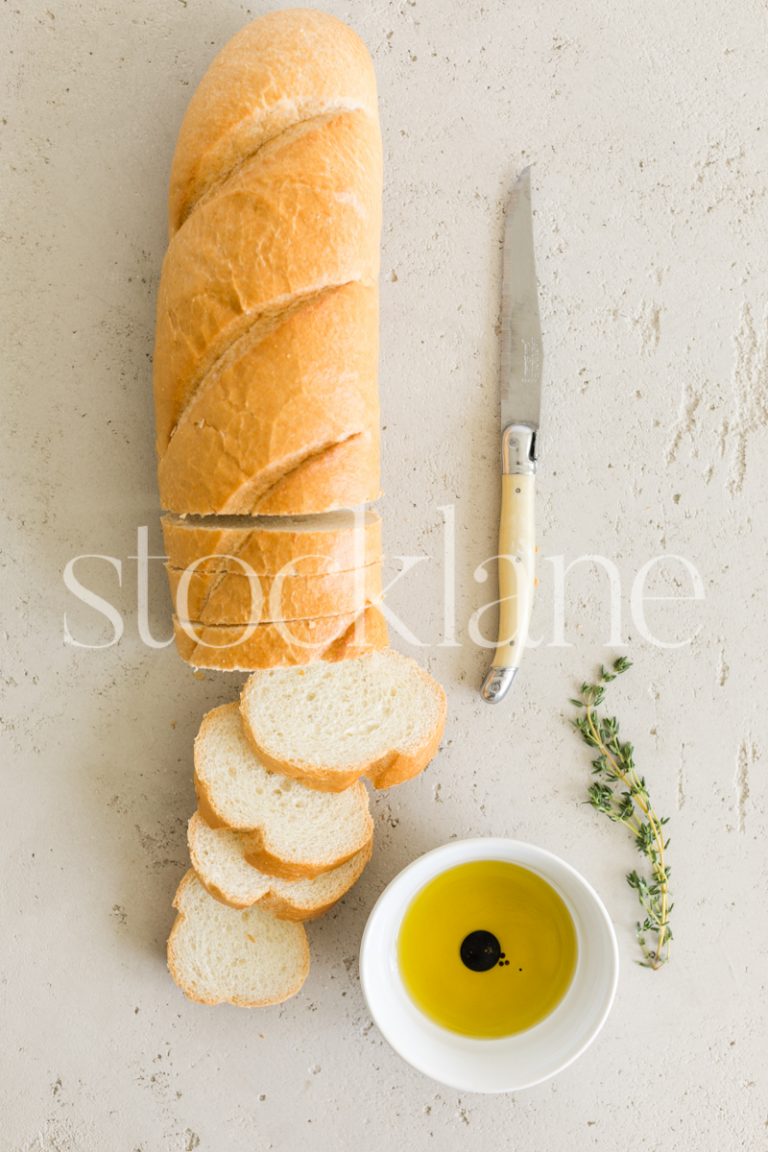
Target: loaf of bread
x=266, y=345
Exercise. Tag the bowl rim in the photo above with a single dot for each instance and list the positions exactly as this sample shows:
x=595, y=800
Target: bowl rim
x=461, y=852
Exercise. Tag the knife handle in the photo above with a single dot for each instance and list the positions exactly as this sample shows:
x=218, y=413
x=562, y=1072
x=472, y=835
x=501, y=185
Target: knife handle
x=517, y=563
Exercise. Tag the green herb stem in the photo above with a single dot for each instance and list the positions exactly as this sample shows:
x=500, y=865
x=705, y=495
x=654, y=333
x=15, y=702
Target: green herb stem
x=622, y=794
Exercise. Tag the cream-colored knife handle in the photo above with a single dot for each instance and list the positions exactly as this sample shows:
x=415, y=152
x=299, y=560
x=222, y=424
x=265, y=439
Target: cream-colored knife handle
x=517, y=565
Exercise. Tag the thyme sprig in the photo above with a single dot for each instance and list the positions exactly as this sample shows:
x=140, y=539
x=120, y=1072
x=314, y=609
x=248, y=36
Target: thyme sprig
x=622, y=794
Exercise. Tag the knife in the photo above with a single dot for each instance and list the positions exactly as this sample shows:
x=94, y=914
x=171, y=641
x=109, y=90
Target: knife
x=521, y=370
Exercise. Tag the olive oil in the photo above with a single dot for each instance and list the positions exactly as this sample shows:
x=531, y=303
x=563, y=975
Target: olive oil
x=487, y=949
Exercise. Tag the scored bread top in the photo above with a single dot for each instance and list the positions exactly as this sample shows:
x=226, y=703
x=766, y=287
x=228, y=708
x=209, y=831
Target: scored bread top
x=281, y=69
x=302, y=217
x=296, y=831
x=287, y=391
x=379, y=715
x=337, y=476
x=247, y=957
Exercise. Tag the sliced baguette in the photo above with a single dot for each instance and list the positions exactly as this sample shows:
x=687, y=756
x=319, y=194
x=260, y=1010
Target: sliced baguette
x=295, y=832
x=229, y=598
x=244, y=648
x=304, y=545
x=380, y=716
x=246, y=957
x=218, y=858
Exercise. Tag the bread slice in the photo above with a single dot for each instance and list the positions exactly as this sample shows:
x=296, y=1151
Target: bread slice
x=279, y=644
x=229, y=598
x=380, y=716
x=301, y=545
x=219, y=859
x=296, y=832
x=247, y=957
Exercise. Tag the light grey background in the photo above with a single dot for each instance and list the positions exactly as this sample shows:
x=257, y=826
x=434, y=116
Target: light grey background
x=646, y=126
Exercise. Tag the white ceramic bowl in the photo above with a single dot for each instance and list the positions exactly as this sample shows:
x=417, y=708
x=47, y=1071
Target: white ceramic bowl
x=513, y=1062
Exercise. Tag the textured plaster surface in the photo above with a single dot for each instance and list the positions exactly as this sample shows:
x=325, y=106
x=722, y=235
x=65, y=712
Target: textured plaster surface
x=646, y=127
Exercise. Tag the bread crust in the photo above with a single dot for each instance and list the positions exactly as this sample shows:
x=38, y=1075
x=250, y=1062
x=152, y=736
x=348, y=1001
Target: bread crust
x=281, y=643
x=397, y=766
x=229, y=598
x=273, y=901
x=176, y=970
x=260, y=857
x=326, y=544
x=285, y=911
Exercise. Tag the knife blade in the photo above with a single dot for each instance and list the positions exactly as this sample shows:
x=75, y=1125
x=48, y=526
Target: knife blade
x=521, y=354
x=520, y=396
